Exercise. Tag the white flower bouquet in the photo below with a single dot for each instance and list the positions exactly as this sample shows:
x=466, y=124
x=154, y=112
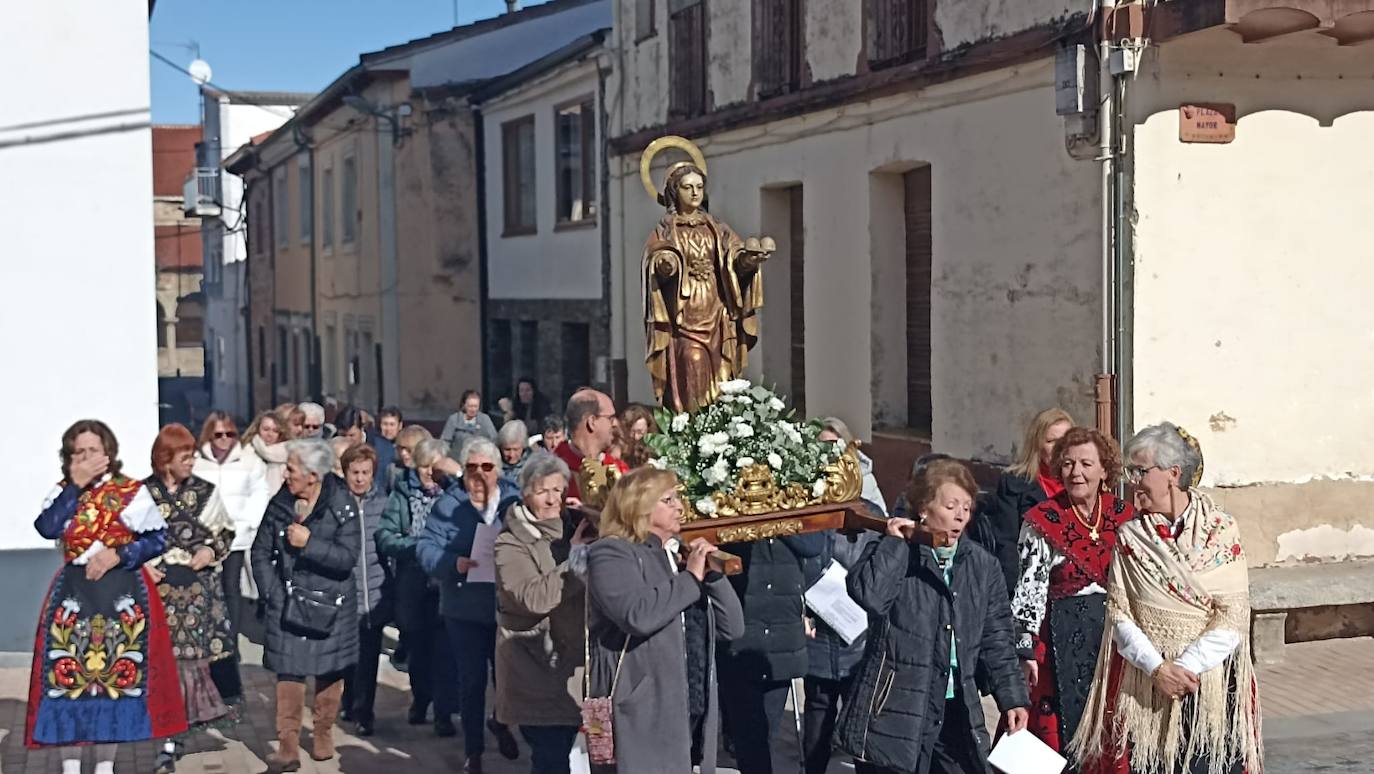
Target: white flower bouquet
x=747, y=425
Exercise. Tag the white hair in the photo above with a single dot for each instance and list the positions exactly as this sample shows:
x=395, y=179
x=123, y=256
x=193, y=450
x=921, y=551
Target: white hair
x=429, y=451
x=479, y=445
x=540, y=466
x=314, y=455
x=1165, y=446
x=513, y=432
x=314, y=410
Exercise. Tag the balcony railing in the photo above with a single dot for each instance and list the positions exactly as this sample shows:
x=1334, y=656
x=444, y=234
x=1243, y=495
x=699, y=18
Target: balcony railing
x=201, y=193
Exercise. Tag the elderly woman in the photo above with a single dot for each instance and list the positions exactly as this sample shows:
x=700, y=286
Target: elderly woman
x=1026, y=483
x=456, y=549
x=199, y=533
x=540, y=615
x=938, y=615
x=514, y=442
x=431, y=664
x=1175, y=687
x=653, y=628
x=303, y=561
x=312, y=420
x=1060, y=601
x=359, y=465
x=107, y=526
x=467, y=422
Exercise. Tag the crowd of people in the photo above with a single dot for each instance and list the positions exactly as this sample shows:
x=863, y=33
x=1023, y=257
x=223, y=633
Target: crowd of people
x=549, y=565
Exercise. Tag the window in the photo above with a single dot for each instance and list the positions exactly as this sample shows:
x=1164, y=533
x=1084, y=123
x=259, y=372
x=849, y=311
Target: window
x=577, y=356
x=575, y=146
x=917, y=217
x=644, y=19
x=327, y=207
x=517, y=164
x=306, y=195
x=897, y=31
x=778, y=40
x=280, y=205
x=498, y=344
x=348, y=201
x=529, y=349
x=687, y=57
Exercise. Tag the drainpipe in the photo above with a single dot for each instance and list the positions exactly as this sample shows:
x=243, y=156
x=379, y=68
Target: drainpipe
x=1106, y=117
x=615, y=380
x=479, y=153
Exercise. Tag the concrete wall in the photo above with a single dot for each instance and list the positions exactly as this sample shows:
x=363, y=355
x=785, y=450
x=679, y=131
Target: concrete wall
x=87, y=304
x=559, y=260
x=1252, y=274
x=1015, y=270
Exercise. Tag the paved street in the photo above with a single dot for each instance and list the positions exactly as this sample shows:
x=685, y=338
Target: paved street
x=1319, y=717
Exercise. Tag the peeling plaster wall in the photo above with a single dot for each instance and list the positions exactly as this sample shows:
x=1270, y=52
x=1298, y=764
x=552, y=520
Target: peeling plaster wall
x=1252, y=321
x=730, y=51
x=963, y=22
x=1015, y=249
x=834, y=38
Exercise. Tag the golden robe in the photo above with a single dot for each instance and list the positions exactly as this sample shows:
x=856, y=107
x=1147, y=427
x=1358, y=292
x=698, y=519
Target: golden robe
x=701, y=316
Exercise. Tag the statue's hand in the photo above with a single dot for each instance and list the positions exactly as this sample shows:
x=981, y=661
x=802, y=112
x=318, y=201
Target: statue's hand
x=665, y=264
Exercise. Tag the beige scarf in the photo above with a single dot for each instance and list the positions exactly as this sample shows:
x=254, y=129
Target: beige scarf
x=1175, y=590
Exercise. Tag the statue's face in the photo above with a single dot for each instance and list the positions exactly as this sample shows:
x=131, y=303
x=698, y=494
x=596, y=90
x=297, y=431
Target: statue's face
x=691, y=190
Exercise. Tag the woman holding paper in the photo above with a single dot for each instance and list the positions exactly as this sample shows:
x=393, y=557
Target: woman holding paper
x=1175, y=685
x=1060, y=601
x=456, y=548
x=938, y=614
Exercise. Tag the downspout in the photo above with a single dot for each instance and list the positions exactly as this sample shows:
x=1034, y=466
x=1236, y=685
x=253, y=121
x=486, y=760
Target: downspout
x=316, y=370
x=1124, y=270
x=614, y=376
x=1105, y=387
x=480, y=157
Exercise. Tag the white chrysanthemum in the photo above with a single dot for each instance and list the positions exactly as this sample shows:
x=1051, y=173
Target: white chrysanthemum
x=744, y=462
x=742, y=430
x=658, y=462
x=680, y=423
x=745, y=399
x=705, y=506
x=734, y=386
x=790, y=430
x=718, y=473
x=818, y=488
x=775, y=460
x=776, y=404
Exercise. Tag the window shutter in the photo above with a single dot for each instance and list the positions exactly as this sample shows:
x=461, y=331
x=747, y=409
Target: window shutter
x=917, y=206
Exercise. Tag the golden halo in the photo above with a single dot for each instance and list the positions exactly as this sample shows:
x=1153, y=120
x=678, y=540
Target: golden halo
x=646, y=159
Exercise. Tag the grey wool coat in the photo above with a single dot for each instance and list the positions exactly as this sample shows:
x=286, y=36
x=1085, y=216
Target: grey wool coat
x=326, y=563
x=636, y=598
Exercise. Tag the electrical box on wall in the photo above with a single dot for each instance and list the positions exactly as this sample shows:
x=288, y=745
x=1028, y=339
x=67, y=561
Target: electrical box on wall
x=1075, y=80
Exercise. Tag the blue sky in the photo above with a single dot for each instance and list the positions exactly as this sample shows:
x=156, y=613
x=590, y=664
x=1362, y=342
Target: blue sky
x=285, y=45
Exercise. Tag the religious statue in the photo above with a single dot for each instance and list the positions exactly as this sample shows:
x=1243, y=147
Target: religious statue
x=702, y=287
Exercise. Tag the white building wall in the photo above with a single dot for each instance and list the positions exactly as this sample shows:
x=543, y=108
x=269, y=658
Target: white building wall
x=79, y=321
x=1253, y=259
x=554, y=262
x=1016, y=257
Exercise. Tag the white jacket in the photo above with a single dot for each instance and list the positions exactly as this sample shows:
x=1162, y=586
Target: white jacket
x=241, y=482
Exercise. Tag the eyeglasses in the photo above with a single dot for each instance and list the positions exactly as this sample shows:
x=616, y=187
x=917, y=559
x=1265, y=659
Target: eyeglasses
x=226, y=434
x=309, y=426
x=1136, y=472
x=485, y=467
x=606, y=416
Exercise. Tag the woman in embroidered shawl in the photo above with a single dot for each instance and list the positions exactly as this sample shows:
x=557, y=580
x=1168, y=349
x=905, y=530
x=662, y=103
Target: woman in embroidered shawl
x=1061, y=599
x=702, y=291
x=199, y=534
x=103, y=670
x=1175, y=687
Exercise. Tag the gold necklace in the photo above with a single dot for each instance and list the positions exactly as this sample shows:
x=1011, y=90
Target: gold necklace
x=1096, y=513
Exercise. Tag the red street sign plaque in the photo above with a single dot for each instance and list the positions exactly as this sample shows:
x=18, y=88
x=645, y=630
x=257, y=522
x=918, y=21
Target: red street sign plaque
x=1215, y=123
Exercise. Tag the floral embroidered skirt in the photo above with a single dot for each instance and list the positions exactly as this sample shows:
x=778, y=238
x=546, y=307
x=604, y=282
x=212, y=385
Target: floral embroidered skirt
x=103, y=669
x=201, y=632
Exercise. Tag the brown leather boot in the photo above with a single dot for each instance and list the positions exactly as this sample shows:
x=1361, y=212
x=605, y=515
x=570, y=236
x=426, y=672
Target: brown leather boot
x=290, y=707
x=326, y=711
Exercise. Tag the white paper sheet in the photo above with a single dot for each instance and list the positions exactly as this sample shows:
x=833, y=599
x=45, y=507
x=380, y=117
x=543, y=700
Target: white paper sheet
x=484, y=554
x=1024, y=753
x=829, y=600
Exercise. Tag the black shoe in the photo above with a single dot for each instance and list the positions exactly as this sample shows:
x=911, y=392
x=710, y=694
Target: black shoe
x=416, y=716
x=166, y=762
x=505, y=740
x=443, y=727
x=473, y=765
x=364, y=728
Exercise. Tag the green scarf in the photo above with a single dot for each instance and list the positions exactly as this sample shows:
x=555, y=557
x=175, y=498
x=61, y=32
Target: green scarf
x=945, y=558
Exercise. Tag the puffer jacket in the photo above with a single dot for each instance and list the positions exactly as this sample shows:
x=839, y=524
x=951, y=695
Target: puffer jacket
x=828, y=657
x=898, y=695
x=241, y=481
x=371, y=573
x=326, y=564
x=540, y=616
x=770, y=589
x=448, y=534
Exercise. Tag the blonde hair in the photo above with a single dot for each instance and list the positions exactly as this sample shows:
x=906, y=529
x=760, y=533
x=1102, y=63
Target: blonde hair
x=1027, y=463
x=632, y=501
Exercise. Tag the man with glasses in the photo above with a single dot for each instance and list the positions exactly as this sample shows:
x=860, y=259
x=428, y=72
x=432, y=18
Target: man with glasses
x=591, y=422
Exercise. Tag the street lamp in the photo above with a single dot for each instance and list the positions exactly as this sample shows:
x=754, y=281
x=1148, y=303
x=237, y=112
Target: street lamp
x=392, y=115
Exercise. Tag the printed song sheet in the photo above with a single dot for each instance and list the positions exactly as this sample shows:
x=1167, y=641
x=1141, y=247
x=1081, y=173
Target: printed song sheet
x=830, y=601
x=484, y=553
x=1024, y=753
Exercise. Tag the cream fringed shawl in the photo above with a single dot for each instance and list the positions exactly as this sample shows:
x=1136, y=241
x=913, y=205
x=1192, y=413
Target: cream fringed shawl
x=1175, y=590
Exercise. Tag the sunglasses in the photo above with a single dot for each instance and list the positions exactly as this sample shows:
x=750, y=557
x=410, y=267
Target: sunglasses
x=228, y=434
x=485, y=467
x=309, y=426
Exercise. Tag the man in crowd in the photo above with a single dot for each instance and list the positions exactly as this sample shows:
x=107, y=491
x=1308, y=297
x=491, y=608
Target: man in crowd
x=591, y=423
x=554, y=432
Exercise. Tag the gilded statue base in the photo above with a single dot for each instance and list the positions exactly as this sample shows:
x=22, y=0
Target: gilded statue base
x=848, y=517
